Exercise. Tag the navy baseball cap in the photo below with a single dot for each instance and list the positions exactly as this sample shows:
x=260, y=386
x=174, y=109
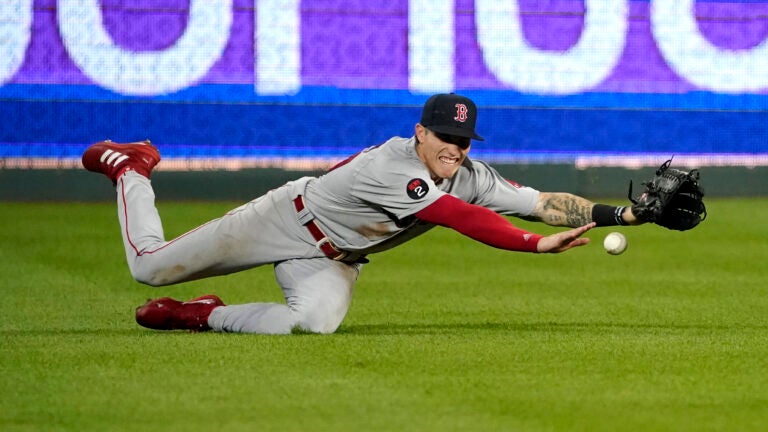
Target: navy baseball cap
x=450, y=114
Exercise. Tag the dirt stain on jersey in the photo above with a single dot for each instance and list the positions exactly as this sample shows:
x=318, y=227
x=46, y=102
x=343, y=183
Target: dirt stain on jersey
x=375, y=231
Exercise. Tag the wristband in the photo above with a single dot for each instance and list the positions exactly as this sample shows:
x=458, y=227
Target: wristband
x=605, y=215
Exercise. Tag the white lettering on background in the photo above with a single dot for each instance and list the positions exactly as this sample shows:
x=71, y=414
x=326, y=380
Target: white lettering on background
x=514, y=62
x=145, y=73
x=695, y=59
x=431, y=42
x=15, y=33
x=278, y=47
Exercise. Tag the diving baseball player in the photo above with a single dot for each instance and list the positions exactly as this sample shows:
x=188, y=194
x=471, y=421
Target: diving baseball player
x=319, y=230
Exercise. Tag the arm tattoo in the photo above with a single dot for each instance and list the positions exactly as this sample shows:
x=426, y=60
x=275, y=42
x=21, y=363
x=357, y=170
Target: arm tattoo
x=563, y=209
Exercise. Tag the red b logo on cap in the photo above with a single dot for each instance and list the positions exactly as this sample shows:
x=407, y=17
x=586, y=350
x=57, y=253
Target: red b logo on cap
x=461, y=113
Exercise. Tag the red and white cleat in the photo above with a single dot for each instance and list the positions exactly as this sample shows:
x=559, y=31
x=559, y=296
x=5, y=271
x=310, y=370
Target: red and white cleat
x=113, y=159
x=168, y=314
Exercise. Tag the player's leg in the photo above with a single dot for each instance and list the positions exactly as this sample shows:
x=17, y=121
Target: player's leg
x=251, y=235
x=248, y=236
x=152, y=260
x=317, y=291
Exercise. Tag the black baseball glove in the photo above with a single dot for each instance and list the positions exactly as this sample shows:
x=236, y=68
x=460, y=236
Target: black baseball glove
x=672, y=199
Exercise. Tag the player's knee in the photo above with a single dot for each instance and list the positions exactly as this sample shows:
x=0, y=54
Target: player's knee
x=154, y=271
x=150, y=277
x=317, y=328
x=318, y=317
x=146, y=279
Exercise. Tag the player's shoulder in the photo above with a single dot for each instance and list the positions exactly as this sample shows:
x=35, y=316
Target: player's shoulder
x=399, y=144
x=480, y=173
x=396, y=151
x=471, y=168
x=475, y=165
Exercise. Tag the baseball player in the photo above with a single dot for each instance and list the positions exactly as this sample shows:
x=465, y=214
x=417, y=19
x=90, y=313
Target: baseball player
x=317, y=231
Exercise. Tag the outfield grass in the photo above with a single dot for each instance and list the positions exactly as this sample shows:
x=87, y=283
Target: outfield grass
x=444, y=334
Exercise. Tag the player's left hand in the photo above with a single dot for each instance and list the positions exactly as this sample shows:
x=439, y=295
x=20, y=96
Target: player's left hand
x=565, y=240
x=672, y=199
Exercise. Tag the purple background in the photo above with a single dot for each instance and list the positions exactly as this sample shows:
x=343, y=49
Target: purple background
x=354, y=94
x=360, y=44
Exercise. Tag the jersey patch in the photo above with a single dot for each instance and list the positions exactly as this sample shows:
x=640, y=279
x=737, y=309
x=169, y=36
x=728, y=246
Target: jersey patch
x=417, y=188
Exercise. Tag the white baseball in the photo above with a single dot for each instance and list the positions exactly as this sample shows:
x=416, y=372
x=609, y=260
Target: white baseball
x=615, y=243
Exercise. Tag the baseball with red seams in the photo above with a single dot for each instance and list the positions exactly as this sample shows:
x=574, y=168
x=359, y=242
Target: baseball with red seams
x=615, y=243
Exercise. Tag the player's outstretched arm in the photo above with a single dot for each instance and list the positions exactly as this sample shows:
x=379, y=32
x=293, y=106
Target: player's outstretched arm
x=565, y=209
x=563, y=241
x=488, y=227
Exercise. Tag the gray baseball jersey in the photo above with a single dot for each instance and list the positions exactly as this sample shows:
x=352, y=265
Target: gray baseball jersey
x=367, y=204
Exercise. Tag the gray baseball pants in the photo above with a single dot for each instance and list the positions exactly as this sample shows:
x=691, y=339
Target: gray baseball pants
x=317, y=290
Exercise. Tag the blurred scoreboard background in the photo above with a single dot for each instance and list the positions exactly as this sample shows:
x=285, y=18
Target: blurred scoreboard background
x=229, y=84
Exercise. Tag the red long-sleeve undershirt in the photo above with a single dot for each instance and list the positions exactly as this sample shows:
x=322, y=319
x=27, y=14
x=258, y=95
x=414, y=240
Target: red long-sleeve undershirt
x=479, y=223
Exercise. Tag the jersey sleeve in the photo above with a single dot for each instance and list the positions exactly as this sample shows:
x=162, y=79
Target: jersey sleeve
x=501, y=195
x=479, y=223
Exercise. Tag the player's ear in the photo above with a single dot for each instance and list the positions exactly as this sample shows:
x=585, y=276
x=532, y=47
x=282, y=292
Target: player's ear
x=421, y=132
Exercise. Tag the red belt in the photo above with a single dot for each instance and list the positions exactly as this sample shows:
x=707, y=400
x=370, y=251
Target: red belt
x=323, y=242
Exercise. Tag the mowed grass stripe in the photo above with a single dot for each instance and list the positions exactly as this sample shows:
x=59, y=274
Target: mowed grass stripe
x=443, y=334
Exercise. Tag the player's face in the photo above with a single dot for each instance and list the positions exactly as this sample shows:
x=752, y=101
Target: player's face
x=443, y=155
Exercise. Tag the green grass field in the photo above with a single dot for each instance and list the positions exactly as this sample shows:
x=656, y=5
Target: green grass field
x=444, y=334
